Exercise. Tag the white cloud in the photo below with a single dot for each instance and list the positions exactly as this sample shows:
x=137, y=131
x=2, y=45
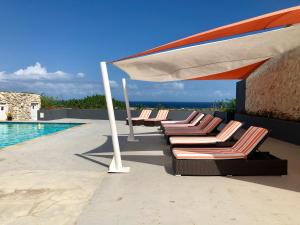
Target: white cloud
x=137, y=93
x=35, y=72
x=113, y=84
x=66, y=89
x=177, y=85
x=170, y=87
x=38, y=79
x=132, y=86
x=80, y=75
x=220, y=94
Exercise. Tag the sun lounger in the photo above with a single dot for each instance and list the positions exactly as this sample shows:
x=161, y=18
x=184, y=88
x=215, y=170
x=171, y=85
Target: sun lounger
x=225, y=134
x=185, y=121
x=161, y=116
x=203, y=122
x=241, y=159
x=192, y=123
x=197, y=131
x=139, y=120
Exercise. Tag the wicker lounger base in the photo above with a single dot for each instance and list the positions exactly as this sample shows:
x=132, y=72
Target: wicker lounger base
x=151, y=123
x=136, y=122
x=260, y=164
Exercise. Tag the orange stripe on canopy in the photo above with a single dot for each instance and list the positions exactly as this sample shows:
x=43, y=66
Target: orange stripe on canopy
x=237, y=74
x=271, y=20
x=227, y=59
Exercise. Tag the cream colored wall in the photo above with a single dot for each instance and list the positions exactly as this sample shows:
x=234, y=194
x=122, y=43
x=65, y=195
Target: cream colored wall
x=274, y=88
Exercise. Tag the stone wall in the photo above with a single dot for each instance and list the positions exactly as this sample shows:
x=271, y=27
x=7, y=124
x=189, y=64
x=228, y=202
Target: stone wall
x=274, y=88
x=19, y=104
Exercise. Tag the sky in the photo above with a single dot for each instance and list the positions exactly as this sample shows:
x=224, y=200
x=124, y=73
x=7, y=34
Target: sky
x=54, y=47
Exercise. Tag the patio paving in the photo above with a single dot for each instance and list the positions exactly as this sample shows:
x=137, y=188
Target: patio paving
x=62, y=179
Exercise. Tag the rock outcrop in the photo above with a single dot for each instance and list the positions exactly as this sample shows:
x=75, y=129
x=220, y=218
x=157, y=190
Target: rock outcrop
x=274, y=88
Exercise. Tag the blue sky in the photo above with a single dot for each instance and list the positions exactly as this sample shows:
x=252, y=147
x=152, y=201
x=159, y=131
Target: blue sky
x=53, y=47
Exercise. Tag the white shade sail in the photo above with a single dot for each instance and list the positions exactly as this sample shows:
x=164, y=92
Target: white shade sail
x=204, y=61
x=230, y=59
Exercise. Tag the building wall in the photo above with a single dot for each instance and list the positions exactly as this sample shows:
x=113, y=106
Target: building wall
x=19, y=104
x=274, y=88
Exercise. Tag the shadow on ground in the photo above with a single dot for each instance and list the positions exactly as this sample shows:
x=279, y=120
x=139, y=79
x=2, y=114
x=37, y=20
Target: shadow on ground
x=145, y=143
x=289, y=182
x=147, y=149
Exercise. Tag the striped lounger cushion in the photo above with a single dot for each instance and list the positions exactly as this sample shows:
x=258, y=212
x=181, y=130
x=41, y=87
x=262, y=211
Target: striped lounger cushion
x=194, y=122
x=199, y=122
x=186, y=121
x=242, y=148
x=223, y=136
x=204, y=131
x=211, y=125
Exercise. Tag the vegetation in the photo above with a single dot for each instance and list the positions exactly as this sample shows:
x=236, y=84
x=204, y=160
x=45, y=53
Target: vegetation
x=227, y=105
x=140, y=106
x=160, y=106
x=89, y=102
x=99, y=102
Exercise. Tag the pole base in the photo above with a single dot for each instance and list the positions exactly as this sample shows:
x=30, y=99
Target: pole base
x=113, y=169
x=132, y=139
x=122, y=170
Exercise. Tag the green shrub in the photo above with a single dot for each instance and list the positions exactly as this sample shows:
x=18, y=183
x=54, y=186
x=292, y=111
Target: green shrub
x=160, y=106
x=48, y=102
x=227, y=105
x=89, y=102
x=140, y=106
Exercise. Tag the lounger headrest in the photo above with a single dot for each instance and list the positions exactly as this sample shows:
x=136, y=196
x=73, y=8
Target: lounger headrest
x=229, y=130
x=205, y=121
x=250, y=139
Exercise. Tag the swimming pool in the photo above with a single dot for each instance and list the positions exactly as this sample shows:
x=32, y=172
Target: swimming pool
x=12, y=133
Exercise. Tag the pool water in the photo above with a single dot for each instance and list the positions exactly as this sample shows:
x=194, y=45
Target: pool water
x=12, y=133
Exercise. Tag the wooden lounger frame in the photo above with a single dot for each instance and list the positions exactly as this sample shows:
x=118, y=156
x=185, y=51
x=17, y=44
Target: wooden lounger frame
x=138, y=121
x=152, y=122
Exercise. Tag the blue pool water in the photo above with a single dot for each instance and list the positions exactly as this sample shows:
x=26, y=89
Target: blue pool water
x=13, y=132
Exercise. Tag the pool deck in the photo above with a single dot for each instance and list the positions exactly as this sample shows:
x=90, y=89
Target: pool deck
x=62, y=179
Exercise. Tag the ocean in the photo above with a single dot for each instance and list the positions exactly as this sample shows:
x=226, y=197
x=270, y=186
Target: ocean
x=175, y=105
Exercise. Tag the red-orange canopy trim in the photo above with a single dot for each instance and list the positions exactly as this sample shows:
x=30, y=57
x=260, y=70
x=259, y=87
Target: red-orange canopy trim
x=237, y=74
x=271, y=20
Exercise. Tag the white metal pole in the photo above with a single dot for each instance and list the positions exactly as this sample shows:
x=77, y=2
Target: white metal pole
x=116, y=163
x=131, y=133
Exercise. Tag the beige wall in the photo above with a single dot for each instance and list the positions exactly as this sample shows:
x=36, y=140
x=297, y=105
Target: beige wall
x=274, y=88
x=19, y=104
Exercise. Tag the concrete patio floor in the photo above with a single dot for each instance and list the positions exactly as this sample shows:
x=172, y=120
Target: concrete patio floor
x=61, y=179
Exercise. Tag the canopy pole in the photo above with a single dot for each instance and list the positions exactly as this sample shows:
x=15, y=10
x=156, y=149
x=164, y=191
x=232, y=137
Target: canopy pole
x=116, y=163
x=131, y=133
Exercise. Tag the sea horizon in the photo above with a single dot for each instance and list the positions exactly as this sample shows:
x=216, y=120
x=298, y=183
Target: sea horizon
x=173, y=104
